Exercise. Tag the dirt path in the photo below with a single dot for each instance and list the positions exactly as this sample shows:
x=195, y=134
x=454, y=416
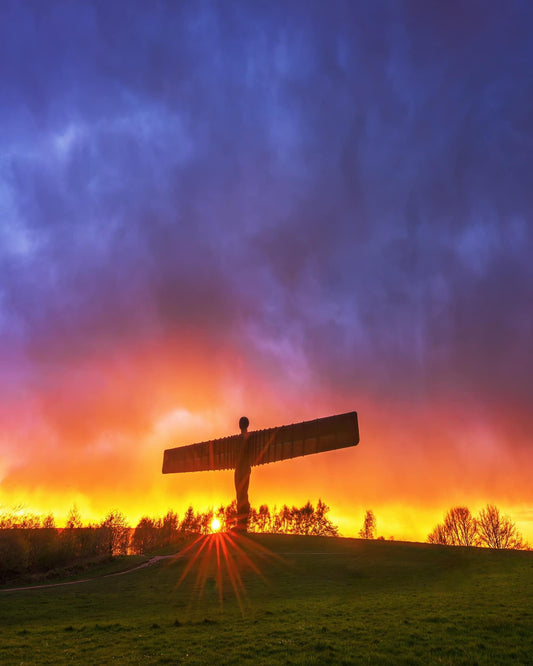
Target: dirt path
x=149, y=563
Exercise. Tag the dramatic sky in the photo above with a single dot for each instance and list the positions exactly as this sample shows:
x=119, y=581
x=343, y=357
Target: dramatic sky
x=279, y=209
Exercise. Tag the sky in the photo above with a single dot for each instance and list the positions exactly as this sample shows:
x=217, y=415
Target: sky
x=280, y=209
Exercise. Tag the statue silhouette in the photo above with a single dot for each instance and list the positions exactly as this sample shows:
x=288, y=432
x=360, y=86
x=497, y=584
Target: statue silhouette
x=243, y=470
x=241, y=452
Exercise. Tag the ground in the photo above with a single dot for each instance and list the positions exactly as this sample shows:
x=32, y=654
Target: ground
x=282, y=599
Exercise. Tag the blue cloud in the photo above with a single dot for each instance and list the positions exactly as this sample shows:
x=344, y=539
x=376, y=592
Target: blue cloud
x=347, y=185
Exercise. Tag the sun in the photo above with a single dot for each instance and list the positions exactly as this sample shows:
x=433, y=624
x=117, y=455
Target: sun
x=215, y=525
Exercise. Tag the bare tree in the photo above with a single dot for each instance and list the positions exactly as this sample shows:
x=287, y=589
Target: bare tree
x=74, y=518
x=497, y=531
x=439, y=536
x=460, y=527
x=49, y=522
x=368, y=530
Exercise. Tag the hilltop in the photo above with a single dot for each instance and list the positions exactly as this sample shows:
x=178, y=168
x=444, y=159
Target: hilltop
x=300, y=600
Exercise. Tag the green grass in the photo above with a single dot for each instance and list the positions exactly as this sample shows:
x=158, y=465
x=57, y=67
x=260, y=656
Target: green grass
x=322, y=601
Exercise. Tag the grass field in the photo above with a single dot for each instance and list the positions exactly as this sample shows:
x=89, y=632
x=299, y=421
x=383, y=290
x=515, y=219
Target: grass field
x=303, y=600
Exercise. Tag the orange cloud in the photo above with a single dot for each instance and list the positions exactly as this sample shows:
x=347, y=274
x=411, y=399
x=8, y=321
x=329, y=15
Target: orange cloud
x=99, y=443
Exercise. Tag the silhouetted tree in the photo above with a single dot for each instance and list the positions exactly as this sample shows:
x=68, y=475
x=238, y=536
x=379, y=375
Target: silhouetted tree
x=459, y=529
x=73, y=540
x=191, y=521
x=228, y=515
x=252, y=520
x=18, y=518
x=305, y=520
x=49, y=521
x=204, y=521
x=439, y=536
x=490, y=529
x=498, y=531
x=169, y=527
x=368, y=531
x=283, y=520
x=461, y=526
x=29, y=542
x=29, y=521
x=116, y=533
x=322, y=524
x=302, y=519
x=220, y=515
x=8, y=520
x=5, y=521
x=262, y=519
x=147, y=535
x=73, y=519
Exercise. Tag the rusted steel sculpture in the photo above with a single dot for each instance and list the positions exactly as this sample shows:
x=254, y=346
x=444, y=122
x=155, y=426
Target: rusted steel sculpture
x=242, y=452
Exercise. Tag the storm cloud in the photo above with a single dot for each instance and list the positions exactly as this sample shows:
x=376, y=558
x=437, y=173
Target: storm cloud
x=333, y=200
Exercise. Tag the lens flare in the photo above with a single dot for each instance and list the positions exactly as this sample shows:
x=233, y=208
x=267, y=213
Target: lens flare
x=223, y=558
x=215, y=525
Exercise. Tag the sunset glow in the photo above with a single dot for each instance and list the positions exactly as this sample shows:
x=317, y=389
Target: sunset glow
x=210, y=210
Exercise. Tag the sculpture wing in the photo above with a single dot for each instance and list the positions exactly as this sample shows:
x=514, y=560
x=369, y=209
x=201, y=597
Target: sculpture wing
x=303, y=439
x=266, y=446
x=212, y=455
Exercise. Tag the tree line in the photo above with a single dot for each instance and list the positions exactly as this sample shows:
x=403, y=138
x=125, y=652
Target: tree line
x=30, y=543
x=490, y=528
x=153, y=533
x=34, y=544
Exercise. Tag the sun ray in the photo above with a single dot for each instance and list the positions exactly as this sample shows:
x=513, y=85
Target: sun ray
x=224, y=556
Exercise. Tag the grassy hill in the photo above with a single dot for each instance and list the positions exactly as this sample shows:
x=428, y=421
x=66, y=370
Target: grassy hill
x=300, y=600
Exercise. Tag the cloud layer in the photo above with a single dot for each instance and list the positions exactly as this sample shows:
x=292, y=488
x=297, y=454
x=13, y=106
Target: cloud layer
x=285, y=210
